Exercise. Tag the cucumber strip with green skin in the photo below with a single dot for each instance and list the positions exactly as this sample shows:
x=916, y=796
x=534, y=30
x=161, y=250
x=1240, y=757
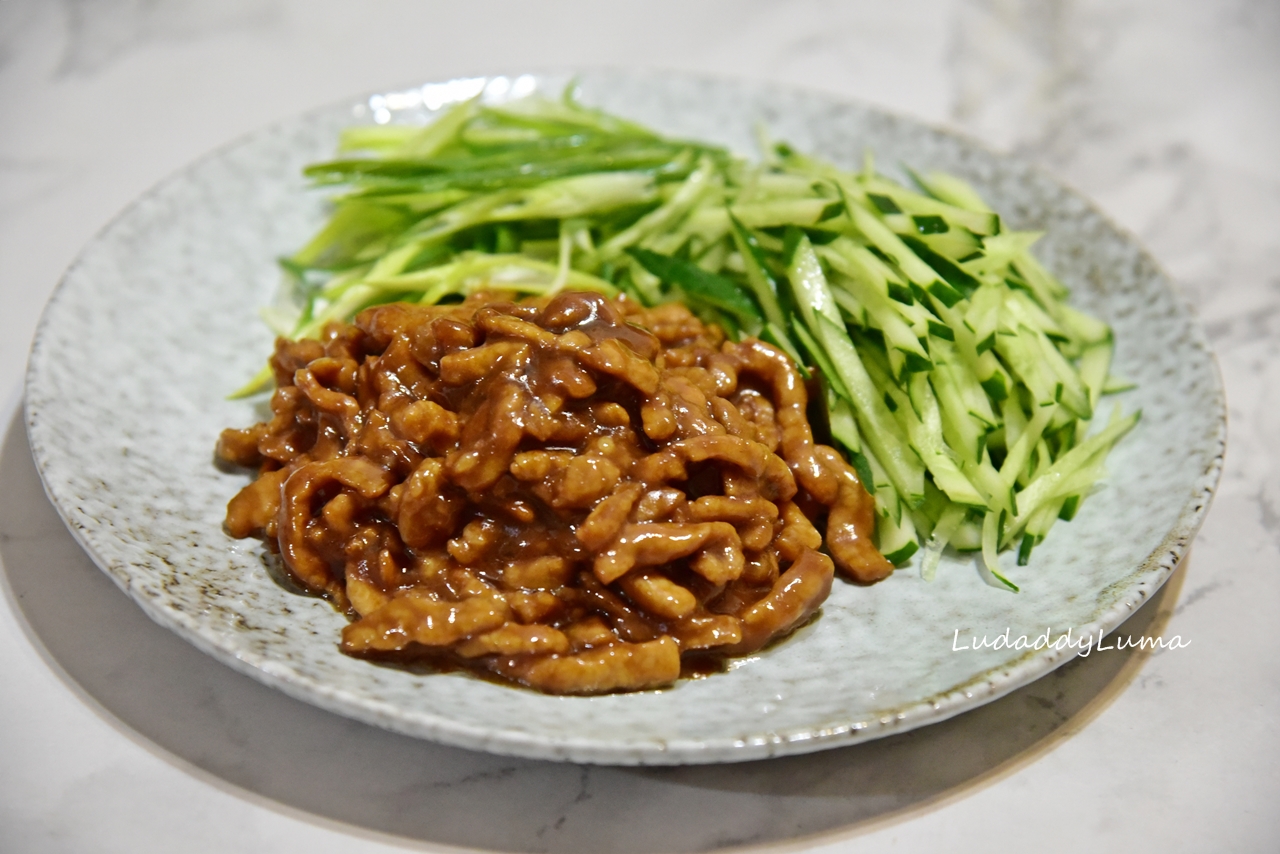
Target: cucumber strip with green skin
x=877, y=424
x=1024, y=549
x=664, y=166
x=1048, y=291
x=1019, y=452
x=335, y=287
x=995, y=386
x=956, y=245
x=843, y=252
x=840, y=419
x=884, y=370
x=881, y=315
x=668, y=243
x=885, y=206
x=1040, y=461
x=854, y=312
x=1020, y=350
x=862, y=466
x=982, y=364
x=774, y=246
x=990, y=558
x=896, y=539
x=963, y=434
x=299, y=298
x=999, y=250
x=888, y=503
x=939, y=539
x=493, y=130
x=1075, y=485
x=784, y=212
x=1070, y=506
x=781, y=185
x=959, y=280
x=1061, y=505
x=820, y=359
x=712, y=316
x=504, y=240
x=951, y=190
x=926, y=516
x=925, y=432
x=758, y=276
x=978, y=222
x=1014, y=420
x=1084, y=330
x=930, y=224
x=663, y=216
x=982, y=317
x=944, y=293
x=1045, y=485
x=1115, y=385
x=973, y=393
x=920, y=273
x=1042, y=520
x=872, y=292
x=1096, y=366
x=1095, y=362
x=994, y=492
x=956, y=390
x=1062, y=418
x=794, y=163
x=809, y=285
x=942, y=331
x=408, y=255
x=1021, y=308
x=565, y=255
x=1070, y=390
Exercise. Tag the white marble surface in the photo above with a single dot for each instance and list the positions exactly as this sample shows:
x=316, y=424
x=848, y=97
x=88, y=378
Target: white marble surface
x=117, y=736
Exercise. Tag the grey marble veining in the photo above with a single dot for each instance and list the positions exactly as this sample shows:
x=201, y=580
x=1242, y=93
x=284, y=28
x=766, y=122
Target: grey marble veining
x=119, y=736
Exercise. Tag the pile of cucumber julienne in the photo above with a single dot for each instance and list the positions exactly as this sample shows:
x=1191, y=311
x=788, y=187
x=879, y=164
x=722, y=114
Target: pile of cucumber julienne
x=954, y=374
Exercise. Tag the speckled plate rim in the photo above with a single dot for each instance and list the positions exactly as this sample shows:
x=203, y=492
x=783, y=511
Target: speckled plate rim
x=1130, y=592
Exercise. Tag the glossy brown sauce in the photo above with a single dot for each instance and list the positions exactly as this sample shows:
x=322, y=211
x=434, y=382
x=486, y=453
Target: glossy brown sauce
x=572, y=493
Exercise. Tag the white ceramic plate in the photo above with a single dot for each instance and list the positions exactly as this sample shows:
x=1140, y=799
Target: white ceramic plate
x=156, y=323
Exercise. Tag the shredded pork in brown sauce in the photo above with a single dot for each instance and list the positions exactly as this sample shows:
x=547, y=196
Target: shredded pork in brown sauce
x=572, y=493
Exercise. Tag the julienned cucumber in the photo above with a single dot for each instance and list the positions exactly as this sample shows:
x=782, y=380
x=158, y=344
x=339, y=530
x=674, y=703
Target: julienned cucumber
x=953, y=372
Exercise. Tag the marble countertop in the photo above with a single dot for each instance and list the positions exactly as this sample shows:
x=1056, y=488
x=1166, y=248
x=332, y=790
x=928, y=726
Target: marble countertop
x=118, y=736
